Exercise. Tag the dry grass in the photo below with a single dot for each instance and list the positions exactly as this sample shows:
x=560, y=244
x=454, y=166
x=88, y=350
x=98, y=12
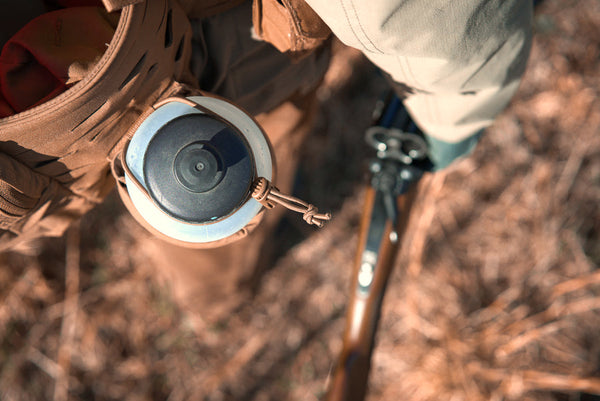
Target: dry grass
x=496, y=295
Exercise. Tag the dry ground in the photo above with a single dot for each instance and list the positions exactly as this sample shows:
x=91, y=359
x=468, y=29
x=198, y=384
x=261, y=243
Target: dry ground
x=495, y=296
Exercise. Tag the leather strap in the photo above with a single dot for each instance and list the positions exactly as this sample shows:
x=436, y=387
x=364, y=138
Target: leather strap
x=115, y=5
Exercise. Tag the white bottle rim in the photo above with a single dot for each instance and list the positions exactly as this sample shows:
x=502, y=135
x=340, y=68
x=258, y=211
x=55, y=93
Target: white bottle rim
x=157, y=218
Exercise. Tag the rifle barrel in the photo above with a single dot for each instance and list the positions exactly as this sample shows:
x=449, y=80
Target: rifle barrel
x=350, y=378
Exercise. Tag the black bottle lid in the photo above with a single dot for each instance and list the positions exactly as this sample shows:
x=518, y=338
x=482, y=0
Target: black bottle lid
x=198, y=168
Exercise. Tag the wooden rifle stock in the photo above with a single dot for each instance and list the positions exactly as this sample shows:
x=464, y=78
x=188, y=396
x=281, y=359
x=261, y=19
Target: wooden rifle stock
x=372, y=268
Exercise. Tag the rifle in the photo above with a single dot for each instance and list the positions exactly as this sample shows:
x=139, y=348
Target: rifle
x=399, y=165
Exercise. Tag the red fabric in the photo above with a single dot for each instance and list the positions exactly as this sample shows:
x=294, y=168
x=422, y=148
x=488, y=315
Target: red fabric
x=35, y=63
x=5, y=109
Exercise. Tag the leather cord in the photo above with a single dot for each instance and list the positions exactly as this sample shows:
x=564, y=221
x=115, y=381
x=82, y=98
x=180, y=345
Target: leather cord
x=268, y=195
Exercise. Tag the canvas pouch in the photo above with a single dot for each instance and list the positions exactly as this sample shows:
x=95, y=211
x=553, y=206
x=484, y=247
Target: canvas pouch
x=54, y=156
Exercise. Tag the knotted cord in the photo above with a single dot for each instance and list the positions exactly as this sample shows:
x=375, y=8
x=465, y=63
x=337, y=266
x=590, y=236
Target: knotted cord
x=268, y=195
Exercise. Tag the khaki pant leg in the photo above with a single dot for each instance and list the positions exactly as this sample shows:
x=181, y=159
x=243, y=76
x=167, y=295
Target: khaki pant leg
x=458, y=62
